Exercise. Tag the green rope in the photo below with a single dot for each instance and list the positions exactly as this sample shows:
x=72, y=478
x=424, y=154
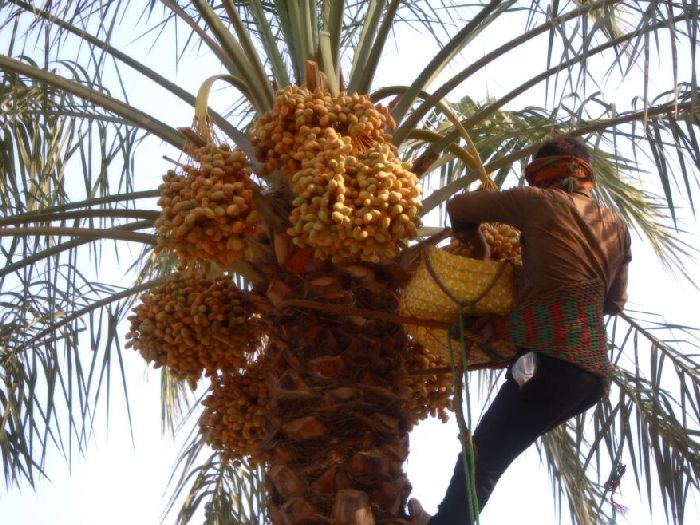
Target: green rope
x=466, y=307
x=468, y=452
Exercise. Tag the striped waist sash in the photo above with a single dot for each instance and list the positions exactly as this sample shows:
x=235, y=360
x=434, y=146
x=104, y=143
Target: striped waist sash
x=566, y=323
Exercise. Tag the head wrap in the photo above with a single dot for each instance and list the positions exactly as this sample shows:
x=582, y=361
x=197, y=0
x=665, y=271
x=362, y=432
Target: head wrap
x=550, y=169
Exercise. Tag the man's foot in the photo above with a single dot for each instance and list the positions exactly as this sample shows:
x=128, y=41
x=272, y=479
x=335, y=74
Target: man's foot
x=418, y=514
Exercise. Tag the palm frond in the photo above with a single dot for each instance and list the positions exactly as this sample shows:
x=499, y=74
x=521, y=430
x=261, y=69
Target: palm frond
x=270, y=43
x=652, y=418
x=50, y=306
x=566, y=460
x=487, y=14
x=133, y=116
x=176, y=401
x=649, y=422
x=224, y=491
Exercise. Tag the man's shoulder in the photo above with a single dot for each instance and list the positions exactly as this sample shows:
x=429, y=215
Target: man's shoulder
x=608, y=216
x=612, y=216
x=525, y=193
x=541, y=197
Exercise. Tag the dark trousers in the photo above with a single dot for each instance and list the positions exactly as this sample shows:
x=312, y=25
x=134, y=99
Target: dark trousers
x=517, y=417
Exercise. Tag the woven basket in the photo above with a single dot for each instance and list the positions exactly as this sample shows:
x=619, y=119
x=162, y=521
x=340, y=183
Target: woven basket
x=489, y=285
x=496, y=354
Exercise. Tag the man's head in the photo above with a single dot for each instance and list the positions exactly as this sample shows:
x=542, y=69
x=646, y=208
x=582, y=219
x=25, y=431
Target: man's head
x=561, y=145
x=561, y=163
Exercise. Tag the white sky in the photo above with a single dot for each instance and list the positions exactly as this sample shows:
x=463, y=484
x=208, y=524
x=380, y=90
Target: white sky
x=120, y=483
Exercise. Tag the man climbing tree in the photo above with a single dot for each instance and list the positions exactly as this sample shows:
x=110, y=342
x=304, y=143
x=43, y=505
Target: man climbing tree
x=575, y=258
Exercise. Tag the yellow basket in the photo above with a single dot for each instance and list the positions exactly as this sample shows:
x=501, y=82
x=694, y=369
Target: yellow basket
x=491, y=284
x=497, y=354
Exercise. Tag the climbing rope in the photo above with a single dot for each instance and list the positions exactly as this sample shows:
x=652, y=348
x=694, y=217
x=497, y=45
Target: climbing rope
x=461, y=382
x=461, y=378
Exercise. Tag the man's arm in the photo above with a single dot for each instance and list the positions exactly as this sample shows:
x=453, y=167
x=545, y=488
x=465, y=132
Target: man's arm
x=616, y=297
x=468, y=210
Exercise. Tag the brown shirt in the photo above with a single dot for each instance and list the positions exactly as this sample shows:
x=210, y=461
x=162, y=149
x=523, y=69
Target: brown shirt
x=567, y=238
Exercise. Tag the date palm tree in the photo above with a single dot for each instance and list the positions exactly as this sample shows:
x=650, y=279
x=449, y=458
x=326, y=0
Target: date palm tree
x=88, y=110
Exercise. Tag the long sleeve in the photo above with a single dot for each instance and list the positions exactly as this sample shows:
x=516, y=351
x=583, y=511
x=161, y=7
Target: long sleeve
x=489, y=206
x=616, y=297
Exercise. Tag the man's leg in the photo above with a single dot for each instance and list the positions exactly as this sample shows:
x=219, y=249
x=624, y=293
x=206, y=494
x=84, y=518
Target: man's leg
x=515, y=419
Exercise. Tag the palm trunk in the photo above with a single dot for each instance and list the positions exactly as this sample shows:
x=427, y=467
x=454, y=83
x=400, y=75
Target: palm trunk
x=337, y=427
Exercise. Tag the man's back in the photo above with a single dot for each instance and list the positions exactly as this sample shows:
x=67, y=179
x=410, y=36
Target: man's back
x=567, y=238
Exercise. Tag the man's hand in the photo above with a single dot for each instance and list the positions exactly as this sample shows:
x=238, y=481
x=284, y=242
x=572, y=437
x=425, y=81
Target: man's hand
x=468, y=233
x=464, y=231
x=483, y=249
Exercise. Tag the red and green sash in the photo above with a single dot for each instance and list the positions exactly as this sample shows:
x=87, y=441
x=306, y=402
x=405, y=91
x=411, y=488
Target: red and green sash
x=566, y=323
